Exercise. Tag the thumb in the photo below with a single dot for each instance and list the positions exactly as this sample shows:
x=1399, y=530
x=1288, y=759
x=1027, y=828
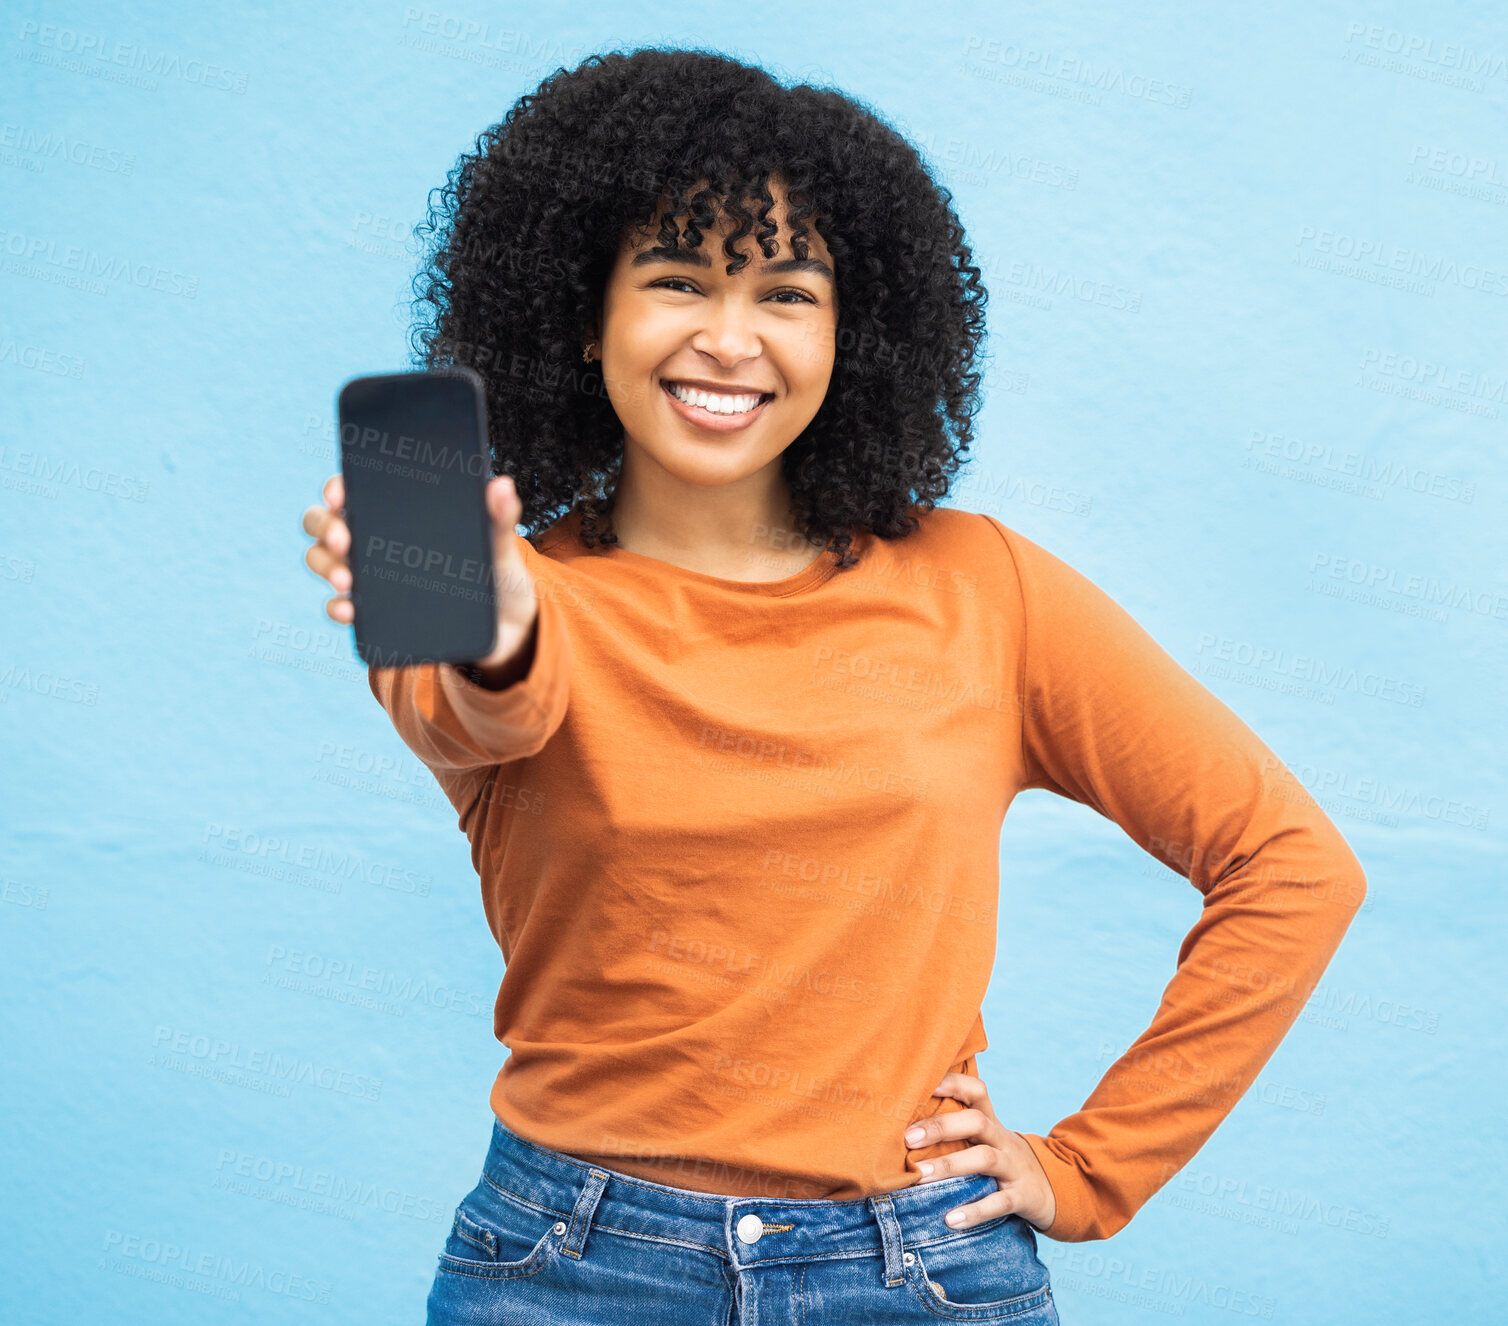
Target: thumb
x=505, y=509
x=503, y=503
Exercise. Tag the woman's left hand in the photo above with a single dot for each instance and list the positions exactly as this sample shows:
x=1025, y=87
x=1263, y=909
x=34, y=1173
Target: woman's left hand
x=1021, y=1183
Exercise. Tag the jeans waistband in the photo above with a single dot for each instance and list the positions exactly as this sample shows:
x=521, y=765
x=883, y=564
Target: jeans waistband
x=781, y=1229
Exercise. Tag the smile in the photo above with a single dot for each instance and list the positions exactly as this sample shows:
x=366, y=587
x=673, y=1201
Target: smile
x=713, y=411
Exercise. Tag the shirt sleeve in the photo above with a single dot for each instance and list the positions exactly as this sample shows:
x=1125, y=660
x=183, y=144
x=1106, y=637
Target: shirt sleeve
x=458, y=728
x=1112, y=721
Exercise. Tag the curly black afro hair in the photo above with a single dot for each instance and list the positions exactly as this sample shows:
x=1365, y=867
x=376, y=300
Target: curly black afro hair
x=528, y=227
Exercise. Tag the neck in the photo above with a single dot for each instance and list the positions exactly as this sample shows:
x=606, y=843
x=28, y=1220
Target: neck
x=740, y=530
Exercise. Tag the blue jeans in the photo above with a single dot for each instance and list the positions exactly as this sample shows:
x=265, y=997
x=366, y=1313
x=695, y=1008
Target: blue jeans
x=545, y=1238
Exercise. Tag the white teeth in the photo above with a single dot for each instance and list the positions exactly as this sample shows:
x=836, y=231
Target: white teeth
x=711, y=403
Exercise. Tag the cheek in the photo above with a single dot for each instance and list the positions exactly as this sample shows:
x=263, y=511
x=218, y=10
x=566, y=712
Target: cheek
x=812, y=355
x=628, y=382
x=621, y=393
x=812, y=377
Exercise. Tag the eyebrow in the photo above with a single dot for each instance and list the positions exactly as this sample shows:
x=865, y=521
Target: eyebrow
x=700, y=258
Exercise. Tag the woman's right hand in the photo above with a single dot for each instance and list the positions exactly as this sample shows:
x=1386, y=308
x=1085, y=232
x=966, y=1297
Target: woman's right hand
x=517, y=606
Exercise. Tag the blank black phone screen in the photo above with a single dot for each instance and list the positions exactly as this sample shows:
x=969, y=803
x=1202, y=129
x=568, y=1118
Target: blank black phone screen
x=414, y=456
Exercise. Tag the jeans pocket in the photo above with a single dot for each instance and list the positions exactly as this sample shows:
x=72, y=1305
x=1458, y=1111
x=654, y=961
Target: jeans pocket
x=498, y=1235
x=988, y=1273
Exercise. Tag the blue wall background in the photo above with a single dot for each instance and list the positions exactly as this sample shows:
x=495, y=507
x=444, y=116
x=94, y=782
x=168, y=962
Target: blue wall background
x=1248, y=292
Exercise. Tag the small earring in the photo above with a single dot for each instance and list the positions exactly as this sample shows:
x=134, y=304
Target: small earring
x=586, y=353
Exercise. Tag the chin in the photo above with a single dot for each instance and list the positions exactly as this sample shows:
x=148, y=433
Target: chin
x=711, y=463
x=709, y=475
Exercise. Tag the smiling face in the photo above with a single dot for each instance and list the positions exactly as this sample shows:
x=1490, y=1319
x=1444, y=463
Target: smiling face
x=712, y=375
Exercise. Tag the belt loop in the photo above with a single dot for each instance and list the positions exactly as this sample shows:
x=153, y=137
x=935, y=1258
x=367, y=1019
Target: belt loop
x=890, y=1238
x=581, y=1214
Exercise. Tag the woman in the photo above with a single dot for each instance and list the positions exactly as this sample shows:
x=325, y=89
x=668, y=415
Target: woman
x=734, y=775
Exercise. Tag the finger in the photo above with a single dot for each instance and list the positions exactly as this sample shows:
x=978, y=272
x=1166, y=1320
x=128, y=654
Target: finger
x=972, y=1092
x=979, y=1159
x=944, y=1127
x=962, y=1086
x=997, y=1203
x=335, y=492
x=340, y=609
x=323, y=562
x=336, y=535
x=315, y=519
x=329, y=528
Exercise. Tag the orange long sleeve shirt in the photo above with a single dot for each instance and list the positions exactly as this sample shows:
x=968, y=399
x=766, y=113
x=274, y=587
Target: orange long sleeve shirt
x=739, y=844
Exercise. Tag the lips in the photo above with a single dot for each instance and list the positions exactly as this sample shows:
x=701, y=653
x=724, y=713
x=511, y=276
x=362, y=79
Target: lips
x=763, y=396
x=713, y=422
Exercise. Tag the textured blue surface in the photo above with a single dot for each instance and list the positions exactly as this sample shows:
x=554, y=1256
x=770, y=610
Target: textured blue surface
x=1248, y=318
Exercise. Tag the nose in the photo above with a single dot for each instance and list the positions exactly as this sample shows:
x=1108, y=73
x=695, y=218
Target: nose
x=728, y=333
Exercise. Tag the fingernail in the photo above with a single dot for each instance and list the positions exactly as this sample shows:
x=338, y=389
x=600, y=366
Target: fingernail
x=925, y=1166
x=915, y=1135
x=954, y=1218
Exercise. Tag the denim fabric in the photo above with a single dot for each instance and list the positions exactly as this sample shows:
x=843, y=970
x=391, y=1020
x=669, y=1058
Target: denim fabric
x=546, y=1238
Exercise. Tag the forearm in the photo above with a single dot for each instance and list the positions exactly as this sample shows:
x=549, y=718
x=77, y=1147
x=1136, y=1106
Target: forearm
x=1263, y=939
x=456, y=724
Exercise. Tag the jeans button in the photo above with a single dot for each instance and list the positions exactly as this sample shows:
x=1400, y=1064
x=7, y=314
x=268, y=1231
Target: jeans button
x=750, y=1227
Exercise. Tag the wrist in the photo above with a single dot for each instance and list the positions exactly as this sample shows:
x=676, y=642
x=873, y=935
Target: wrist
x=497, y=673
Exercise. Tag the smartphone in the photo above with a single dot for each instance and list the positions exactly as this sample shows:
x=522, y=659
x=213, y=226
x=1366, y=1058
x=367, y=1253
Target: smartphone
x=416, y=463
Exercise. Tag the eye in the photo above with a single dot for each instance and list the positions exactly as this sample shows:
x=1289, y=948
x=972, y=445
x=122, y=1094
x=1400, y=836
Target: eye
x=677, y=283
